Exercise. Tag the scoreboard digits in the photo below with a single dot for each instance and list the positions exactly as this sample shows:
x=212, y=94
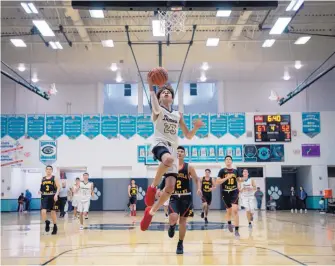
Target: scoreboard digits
x=272, y=128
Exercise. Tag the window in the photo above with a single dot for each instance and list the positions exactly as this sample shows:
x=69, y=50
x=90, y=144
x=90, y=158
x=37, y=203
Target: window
x=200, y=98
x=193, y=89
x=120, y=99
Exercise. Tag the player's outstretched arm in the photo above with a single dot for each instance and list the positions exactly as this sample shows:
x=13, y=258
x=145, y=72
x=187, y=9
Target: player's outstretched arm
x=189, y=134
x=156, y=109
x=196, y=179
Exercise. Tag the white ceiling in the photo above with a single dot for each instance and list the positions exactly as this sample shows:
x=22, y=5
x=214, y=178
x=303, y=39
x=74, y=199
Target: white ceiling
x=241, y=58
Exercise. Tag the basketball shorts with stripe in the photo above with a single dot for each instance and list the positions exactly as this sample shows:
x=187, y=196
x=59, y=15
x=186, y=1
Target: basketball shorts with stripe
x=182, y=205
x=162, y=147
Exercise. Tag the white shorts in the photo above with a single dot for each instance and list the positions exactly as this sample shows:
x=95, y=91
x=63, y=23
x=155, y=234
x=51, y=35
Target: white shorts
x=248, y=203
x=75, y=202
x=172, y=150
x=83, y=206
x=166, y=203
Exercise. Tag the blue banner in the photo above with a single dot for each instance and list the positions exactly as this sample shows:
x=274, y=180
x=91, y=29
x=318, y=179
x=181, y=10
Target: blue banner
x=127, y=126
x=203, y=131
x=54, y=126
x=187, y=119
x=73, y=126
x=3, y=125
x=264, y=153
x=187, y=153
x=235, y=151
x=218, y=124
x=35, y=126
x=145, y=127
x=91, y=126
x=48, y=152
x=141, y=153
x=109, y=126
x=16, y=126
x=311, y=125
x=203, y=153
x=236, y=124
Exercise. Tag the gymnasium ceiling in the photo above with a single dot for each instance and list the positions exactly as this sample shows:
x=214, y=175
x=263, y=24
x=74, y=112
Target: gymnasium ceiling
x=239, y=58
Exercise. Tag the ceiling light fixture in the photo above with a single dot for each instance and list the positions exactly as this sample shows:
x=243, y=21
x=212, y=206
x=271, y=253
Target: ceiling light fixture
x=43, y=28
x=203, y=77
x=21, y=67
x=223, y=13
x=298, y=5
x=18, y=42
x=113, y=67
x=53, y=45
x=268, y=43
x=302, y=40
x=205, y=66
x=26, y=8
x=118, y=78
x=286, y=76
x=212, y=42
x=58, y=45
x=97, y=13
x=35, y=79
x=33, y=8
x=298, y=64
x=280, y=25
x=107, y=43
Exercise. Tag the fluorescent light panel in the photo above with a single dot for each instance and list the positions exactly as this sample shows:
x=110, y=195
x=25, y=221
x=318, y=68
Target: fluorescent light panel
x=26, y=8
x=53, y=45
x=298, y=64
x=158, y=28
x=223, y=13
x=59, y=46
x=18, y=43
x=107, y=43
x=35, y=79
x=302, y=40
x=280, y=25
x=298, y=5
x=21, y=67
x=212, y=42
x=97, y=13
x=113, y=67
x=204, y=66
x=33, y=8
x=268, y=43
x=43, y=28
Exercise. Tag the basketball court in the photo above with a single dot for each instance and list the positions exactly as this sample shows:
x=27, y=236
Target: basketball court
x=74, y=95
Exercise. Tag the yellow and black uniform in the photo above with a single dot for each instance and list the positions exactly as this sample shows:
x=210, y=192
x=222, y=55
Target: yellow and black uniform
x=206, y=186
x=181, y=199
x=133, y=194
x=229, y=187
x=48, y=190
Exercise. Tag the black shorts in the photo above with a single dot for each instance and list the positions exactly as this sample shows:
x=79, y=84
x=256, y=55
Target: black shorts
x=230, y=197
x=158, y=151
x=133, y=200
x=182, y=205
x=207, y=197
x=48, y=203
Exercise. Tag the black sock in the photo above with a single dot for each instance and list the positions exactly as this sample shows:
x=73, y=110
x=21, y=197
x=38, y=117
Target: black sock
x=236, y=228
x=249, y=222
x=180, y=241
x=229, y=222
x=173, y=225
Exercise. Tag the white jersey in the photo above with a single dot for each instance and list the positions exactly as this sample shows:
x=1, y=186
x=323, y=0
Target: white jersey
x=166, y=127
x=85, y=191
x=75, y=193
x=247, y=185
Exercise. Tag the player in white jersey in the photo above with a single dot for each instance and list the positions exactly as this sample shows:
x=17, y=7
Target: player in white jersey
x=165, y=143
x=247, y=191
x=75, y=197
x=85, y=193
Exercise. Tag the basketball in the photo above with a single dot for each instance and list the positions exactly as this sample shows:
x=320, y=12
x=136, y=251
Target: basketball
x=159, y=76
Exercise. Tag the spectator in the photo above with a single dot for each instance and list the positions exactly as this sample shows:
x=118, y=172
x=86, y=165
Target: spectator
x=272, y=204
x=293, y=200
x=302, y=198
x=28, y=199
x=20, y=201
x=62, y=198
x=259, y=197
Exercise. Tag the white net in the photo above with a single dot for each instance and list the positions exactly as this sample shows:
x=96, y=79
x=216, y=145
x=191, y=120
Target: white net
x=172, y=21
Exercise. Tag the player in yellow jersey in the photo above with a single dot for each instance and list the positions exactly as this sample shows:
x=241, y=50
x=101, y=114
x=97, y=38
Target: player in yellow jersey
x=132, y=193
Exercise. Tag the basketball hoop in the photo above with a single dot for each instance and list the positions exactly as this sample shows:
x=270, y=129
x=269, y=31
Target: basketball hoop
x=172, y=21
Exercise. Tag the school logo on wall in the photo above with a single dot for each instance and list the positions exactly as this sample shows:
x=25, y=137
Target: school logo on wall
x=48, y=152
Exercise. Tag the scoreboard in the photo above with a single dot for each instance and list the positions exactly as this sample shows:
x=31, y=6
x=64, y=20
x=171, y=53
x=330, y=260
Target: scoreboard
x=272, y=128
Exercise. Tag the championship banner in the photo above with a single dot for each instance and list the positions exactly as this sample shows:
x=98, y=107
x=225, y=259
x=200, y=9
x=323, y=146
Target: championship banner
x=16, y=126
x=264, y=153
x=12, y=153
x=235, y=151
x=145, y=126
x=48, y=152
x=35, y=126
x=54, y=126
x=203, y=153
x=3, y=125
x=127, y=125
x=73, y=126
x=141, y=153
x=311, y=125
x=91, y=126
x=218, y=125
x=109, y=126
x=236, y=124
